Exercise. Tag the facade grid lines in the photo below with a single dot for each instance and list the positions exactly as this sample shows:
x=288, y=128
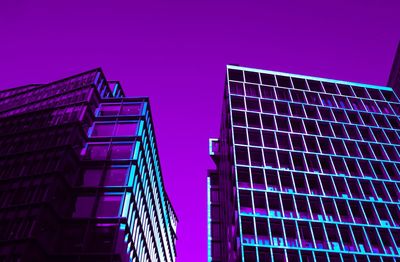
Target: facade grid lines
x=315, y=165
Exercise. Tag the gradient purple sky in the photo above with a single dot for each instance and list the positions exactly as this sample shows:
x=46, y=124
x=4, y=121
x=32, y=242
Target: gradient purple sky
x=175, y=52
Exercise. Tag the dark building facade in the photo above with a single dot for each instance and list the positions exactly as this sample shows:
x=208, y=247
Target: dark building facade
x=308, y=169
x=394, y=77
x=80, y=175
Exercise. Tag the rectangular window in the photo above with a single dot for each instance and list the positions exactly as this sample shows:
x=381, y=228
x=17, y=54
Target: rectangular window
x=330, y=88
x=253, y=120
x=236, y=88
x=311, y=111
x=299, y=83
x=252, y=104
x=125, y=129
x=282, y=108
x=97, y=151
x=251, y=77
x=283, y=94
x=256, y=157
x=252, y=90
x=360, y=92
x=270, y=158
x=103, y=129
x=242, y=157
x=131, y=109
x=121, y=151
x=116, y=176
x=298, y=96
x=283, y=140
x=254, y=137
x=284, y=81
x=109, y=206
x=109, y=110
x=313, y=98
x=91, y=177
x=315, y=86
x=240, y=135
x=84, y=206
x=297, y=125
x=267, y=92
x=268, y=122
x=267, y=106
x=239, y=118
x=326, y=113
x=345, y=90
x=297, y=142
x=268, y=79
x=297, y=110
x=237, y=102
x=342, y=102
x=283, y=123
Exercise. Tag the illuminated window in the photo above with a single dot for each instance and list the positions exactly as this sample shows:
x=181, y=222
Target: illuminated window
x=126, y=129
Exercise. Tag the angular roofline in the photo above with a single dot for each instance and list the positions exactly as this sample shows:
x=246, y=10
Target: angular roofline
x=18, y=87
x=309, y=77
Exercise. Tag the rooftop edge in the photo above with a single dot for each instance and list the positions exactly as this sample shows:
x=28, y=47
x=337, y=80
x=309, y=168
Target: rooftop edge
x=308, y=77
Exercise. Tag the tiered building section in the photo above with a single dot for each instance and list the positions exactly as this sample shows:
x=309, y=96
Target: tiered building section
x=80, y=175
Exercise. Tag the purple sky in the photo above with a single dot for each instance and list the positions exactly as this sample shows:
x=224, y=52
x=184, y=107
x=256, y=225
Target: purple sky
x=175, y=52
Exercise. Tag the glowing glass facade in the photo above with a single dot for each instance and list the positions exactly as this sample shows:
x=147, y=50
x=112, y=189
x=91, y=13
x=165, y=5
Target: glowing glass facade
x=308, y=169
x=80, y=175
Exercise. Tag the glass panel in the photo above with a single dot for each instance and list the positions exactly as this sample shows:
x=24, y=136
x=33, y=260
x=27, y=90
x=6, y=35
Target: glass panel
x=131, y=109
x=109, y=206
x=109, y=110
x=97, y=152
x=126, y=129
x=84, y=206
x=103, y=129
x=116, y=176
x=92, y=177
x=121, y=151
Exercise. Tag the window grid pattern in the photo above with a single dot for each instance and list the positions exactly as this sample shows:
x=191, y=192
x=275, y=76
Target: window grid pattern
x=123, y=134
x=317, y=168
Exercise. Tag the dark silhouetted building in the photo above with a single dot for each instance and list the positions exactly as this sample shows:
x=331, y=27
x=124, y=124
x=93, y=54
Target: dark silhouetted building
x=308, y=169
x=394, y=77
x=80, y=175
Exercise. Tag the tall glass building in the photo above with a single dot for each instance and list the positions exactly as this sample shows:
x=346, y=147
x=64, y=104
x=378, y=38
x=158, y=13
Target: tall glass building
x=80, y=175
x=308, y=169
